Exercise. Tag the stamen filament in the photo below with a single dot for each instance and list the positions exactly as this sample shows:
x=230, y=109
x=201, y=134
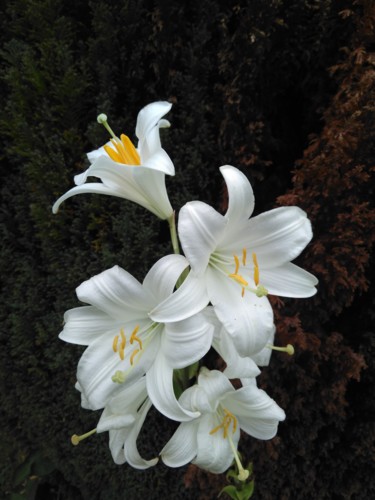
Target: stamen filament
x=289, y=349
x=76, y=439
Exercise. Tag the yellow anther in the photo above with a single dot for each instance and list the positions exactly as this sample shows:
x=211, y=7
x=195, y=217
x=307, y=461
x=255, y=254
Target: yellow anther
x=123, y=339
x=242, y=292
x=76, y=439
x=244, y=256
x=115, y=342
x=132, y=153
x=289, y=349
x=256, y=269
x=239, y=279
x=135, y=338
x=120, y=348
x=237, y=262
x=112, y=154
x=123, y=151
x=135, y=352
x=228, y=419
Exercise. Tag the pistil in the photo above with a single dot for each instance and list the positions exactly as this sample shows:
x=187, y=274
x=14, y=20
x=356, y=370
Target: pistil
x=228, y=420
x=289, y=349
x=75, y=439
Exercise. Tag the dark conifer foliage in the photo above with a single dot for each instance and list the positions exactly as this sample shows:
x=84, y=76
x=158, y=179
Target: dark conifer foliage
x=284, y=90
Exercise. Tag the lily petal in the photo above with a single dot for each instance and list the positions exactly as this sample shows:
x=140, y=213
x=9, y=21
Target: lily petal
x=215, y=384
x=149, y=117
x=182, y=447
x=257, y=413
x=187, y=341
x=121, y=411
x=117, y=439
x=240, y=194
x=162, y=277
x=186, y=301
x=159, y=380
x=237, y=366
x=289, y=280
x=118, y=293
x=262, y=358
x=135, y=183
x=277, y=236
x=248, y=319
x=131, y=451
x=84, y=324
x=199, y=228
x=92, y=187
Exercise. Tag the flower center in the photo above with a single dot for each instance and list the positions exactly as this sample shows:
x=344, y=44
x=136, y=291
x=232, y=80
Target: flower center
x=119, y=347
x=135, y=350
x=228, y=419
x=122, y=150
x=260, y=290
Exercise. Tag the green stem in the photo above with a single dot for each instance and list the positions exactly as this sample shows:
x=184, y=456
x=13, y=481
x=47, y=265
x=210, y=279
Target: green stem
x=173, y=232
x=182, y=375
x=176, y=247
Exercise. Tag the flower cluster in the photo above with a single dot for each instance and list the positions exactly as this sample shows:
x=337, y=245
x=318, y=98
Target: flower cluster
x=146, y=342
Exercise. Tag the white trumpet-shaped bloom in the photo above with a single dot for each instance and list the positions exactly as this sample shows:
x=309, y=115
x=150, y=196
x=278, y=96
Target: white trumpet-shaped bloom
x=123, y=418
x=238, y=260
x=210, y=441
x=138, y=174
x=125, y=342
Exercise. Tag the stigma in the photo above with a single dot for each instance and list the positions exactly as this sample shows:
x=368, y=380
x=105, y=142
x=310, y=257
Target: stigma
x=289, y=349
x=75, y=439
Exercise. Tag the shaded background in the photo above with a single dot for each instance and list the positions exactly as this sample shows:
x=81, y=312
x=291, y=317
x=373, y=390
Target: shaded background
x=284, y=90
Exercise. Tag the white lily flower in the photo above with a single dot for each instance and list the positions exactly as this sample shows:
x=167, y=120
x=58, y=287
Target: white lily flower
x=123, y=417
x=238, y=261
x=125, y=342
x=138, y=174
x=211, y=440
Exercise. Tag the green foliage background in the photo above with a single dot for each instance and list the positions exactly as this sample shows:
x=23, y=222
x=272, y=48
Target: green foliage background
x=251, y=87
